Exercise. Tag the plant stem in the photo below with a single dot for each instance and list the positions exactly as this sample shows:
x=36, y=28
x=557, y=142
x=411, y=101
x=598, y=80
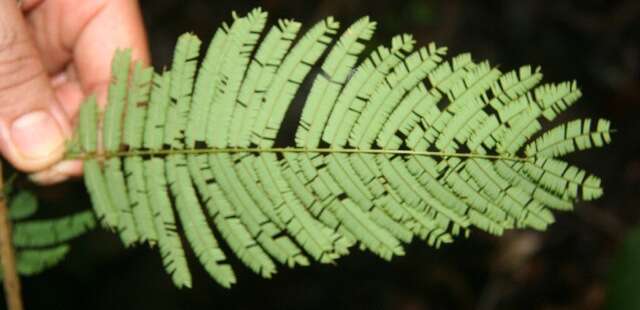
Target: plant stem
x=7, y=256
x=138, y=152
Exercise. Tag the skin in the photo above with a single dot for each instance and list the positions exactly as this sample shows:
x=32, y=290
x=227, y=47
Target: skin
x=53, y=53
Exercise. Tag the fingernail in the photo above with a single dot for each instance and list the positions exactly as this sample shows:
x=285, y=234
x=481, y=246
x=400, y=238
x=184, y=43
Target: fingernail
x=36, y=135
x=58, y=172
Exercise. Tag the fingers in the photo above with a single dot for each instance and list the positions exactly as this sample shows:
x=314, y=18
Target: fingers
x=27, y=5
x=33, y=127
x=81, y=48
x=79, y=52
x=33, y=122
x=58, y=173
x=56, y=33
x=117, y=25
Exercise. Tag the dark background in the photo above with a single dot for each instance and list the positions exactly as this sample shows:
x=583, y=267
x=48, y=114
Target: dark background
x=595, y=42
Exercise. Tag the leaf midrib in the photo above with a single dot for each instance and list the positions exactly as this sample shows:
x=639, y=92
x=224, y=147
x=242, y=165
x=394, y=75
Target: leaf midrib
x=281, y=150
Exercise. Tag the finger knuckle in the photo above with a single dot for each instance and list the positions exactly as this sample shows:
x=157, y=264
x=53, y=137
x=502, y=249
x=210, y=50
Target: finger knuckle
x=18, y=63
x=8, y=37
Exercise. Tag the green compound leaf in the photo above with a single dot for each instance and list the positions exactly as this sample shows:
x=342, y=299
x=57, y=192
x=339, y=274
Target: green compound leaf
x=23, y=205
x=30, y=262
x=40, y=233
x=403, y=144
x=42, y=243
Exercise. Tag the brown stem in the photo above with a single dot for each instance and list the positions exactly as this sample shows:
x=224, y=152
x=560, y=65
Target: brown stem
x=7, y=257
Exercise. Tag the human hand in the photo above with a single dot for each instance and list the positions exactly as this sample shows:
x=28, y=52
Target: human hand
x=53, y=53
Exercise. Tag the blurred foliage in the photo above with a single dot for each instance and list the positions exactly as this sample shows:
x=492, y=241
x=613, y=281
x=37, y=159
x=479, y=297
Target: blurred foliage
x=41, y=244
x=624, y=276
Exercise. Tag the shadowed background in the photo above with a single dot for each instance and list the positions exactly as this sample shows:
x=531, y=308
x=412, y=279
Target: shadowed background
x=595, y=42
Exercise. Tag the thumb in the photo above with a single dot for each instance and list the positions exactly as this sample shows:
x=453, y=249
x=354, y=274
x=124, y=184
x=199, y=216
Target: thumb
x=33, y=126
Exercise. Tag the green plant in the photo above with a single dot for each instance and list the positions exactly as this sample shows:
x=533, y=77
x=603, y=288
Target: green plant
x=42, y=243
x=399, y=145
x=624, y=274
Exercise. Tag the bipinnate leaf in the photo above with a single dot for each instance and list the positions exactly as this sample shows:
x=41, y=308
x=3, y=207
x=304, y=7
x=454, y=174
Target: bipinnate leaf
x=399, y=145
